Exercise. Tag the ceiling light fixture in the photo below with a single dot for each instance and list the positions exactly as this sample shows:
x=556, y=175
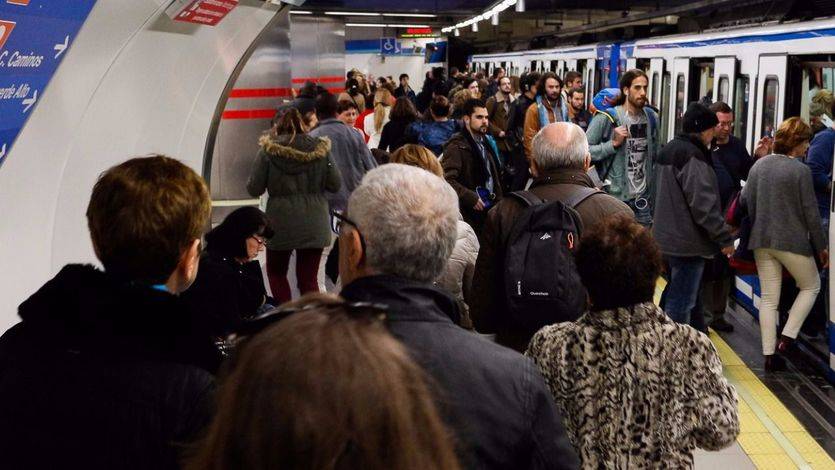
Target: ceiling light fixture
x=413, y=15
x=493, y=11
x=351, y=13
x=388, y=25
x=300, y=12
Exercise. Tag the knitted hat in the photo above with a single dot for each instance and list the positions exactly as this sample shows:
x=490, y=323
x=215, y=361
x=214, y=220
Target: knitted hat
x=698, y=118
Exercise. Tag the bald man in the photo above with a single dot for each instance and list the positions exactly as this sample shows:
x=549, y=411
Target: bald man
x=560, y=161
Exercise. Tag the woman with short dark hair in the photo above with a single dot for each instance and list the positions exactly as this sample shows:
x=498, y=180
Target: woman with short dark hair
x=229, y=285
x=402, y=115
x=636, y=390
x=780, y=198
x=326, y=388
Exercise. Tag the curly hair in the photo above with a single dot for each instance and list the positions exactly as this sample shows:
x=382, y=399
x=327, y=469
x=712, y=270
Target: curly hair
x=619, y=263
x=791, y=133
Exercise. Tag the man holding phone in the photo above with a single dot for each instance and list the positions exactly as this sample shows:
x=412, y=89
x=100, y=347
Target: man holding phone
x=471, y=165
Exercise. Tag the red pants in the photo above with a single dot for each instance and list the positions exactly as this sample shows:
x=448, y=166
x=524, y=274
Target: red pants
x=307, y=268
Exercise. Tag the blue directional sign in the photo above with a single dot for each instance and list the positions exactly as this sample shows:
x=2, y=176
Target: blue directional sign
x=34, y=37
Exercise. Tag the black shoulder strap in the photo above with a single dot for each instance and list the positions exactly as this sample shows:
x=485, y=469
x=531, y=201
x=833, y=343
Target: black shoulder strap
x=580, y=195
x=528, y=198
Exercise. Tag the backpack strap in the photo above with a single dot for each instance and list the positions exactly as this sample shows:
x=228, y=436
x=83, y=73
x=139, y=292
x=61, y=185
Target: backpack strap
x=580, y=195
x=528, y=198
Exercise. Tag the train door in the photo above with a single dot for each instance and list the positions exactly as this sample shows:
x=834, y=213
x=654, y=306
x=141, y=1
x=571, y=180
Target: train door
x=588, y=81
x=771, y=82
x=571, y=64
x=561, y=68
x=656, y=74
x=725, y=73
x=681, y=72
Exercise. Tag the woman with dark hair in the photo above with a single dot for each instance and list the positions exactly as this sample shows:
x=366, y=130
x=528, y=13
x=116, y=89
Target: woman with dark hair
x=394, y=132
x=786, y=233
x=229, y=286
x=636, y=390
x=433, y=134
x=296, y=170
x=326, y=388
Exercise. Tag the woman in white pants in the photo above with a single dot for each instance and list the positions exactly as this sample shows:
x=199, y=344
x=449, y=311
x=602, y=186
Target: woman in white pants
x=786, y=233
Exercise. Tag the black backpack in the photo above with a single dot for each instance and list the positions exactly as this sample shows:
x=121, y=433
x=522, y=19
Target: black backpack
x=541, y=282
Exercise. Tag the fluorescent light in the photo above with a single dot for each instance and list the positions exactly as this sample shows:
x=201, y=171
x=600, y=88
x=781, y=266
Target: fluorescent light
x=415, y=15
x=351, y=13
x=407, y=25
x=300, y=12
x=365, y=25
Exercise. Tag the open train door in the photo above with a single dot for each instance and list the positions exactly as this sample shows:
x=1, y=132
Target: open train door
x=771, y=98
x=656, y=74
x=588, y=80
x=723, y=84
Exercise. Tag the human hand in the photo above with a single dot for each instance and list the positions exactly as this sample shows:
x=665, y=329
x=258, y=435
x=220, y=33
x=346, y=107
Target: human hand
x=823, y=256
x=479, y=206
x=501, y=134
x=763, y=147
x=619, y=136
x=728, y=250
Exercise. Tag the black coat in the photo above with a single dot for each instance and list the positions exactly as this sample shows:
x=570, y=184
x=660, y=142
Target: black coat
x=225, y=292
x=101, y=374
x=492, y=398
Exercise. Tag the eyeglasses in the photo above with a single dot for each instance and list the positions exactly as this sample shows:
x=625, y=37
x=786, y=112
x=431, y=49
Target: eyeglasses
x=338, y=220
x=356, y=310
x=261, y=241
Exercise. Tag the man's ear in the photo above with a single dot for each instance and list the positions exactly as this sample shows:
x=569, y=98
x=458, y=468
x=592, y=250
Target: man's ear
x=186, y=270
x=587, y=162
x=356, y=255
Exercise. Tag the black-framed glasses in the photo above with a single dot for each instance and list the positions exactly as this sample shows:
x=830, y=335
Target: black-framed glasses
x=261, y=240
x=338, y=220
x=356, y=310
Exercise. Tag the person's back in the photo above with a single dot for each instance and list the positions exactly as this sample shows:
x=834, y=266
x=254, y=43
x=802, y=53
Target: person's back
x=433, y=135
x=491, y=397
x=636, y=389
x=819, y=160
x=108, y=369
x=348, y=150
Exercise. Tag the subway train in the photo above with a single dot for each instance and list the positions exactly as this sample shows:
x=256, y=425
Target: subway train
x=766, y=74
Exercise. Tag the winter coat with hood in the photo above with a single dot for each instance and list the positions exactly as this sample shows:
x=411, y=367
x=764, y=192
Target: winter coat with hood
x=457, y=278
x=102, y=373
x=296, y=171
x=688, y=211
x=493, y=399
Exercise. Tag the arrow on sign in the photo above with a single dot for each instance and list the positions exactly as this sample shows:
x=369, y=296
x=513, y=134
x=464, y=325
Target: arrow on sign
x=29, y=102
x=61, y=47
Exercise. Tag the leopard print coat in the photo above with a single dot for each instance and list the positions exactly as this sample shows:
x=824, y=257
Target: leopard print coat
x=636, y=390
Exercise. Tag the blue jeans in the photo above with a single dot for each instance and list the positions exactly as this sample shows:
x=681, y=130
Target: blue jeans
x=681, y=300
x=642, y=209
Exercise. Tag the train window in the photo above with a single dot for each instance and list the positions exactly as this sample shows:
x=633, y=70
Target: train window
x=706, y=81
x=740, y=107
x=553, y=66
x=681, y=96
x=665, y=106
x=769, y=114
x=655, y=90
x=814, y=94
x=724, y=87
x=533, y=66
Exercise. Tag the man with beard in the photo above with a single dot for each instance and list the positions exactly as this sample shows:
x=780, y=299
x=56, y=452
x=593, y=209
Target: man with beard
x=471, y=165
x=577, y=112
x=498, y=108
x=548, y=107
x=623, y=142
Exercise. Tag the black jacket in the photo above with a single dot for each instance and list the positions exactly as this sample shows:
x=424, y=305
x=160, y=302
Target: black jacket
x=101, y=374
x=493, y=399
x=225, y=292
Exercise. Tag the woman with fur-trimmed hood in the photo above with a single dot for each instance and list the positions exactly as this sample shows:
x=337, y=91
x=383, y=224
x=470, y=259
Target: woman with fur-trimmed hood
x=296, y=170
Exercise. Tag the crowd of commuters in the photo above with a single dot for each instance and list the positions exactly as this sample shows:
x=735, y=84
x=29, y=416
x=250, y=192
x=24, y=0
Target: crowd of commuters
x=465, y=228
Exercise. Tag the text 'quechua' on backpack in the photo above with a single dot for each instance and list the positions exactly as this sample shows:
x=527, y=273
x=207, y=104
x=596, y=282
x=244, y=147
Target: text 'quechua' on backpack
x=541, y=282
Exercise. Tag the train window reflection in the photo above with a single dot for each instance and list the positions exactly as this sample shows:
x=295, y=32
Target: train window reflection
x=724, y=87
x=654, y=97
x=769, y=114
x=681, y=97
x=740, y=107
x=816, y=93
x=665, y=106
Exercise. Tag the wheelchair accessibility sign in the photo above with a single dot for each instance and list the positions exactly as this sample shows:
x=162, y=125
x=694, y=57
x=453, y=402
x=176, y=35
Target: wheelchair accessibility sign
x=389, y=46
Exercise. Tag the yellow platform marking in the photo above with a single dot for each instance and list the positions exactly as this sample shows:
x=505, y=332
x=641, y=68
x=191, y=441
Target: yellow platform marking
x=771, y=436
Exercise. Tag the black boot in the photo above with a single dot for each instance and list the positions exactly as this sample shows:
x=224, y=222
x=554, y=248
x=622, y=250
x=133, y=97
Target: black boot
x=720, y=324
x=774, y=363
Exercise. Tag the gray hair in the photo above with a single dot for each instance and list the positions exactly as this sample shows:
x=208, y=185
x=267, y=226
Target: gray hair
x=560, y=145
x=409, y=219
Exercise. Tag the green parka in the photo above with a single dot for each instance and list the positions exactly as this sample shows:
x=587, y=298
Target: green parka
x=295, y=171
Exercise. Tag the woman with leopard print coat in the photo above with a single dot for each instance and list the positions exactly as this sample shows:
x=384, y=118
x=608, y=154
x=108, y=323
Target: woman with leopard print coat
x=636, y=390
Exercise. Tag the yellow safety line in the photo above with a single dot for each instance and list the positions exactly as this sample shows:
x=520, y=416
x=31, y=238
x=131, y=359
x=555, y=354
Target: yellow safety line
x=770, y=435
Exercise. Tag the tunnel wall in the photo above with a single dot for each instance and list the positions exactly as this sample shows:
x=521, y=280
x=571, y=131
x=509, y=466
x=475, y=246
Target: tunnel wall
x=133, y=82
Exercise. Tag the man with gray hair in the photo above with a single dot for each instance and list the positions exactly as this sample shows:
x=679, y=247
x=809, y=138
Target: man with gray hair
x=560, y=160
x=394, y=241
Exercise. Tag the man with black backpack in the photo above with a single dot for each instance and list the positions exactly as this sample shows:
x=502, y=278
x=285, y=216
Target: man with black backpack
x=623, y=141
x=524, y=276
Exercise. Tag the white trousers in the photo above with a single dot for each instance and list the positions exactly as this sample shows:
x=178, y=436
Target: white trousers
x=770, y=264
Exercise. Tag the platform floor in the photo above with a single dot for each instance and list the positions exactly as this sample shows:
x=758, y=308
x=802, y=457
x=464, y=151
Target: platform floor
x=787, y=419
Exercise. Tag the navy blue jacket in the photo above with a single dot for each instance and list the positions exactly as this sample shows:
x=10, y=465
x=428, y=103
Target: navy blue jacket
x=819, y=160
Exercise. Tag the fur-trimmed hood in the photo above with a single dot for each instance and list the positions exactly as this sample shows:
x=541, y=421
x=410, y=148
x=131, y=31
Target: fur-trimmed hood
x=301, y=148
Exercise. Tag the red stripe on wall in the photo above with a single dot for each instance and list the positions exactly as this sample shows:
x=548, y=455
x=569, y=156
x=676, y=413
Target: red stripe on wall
x=260, y=93
x=331, y=79
x=249, y=114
